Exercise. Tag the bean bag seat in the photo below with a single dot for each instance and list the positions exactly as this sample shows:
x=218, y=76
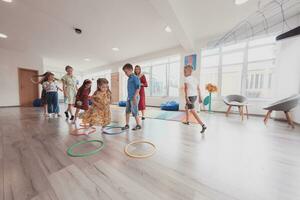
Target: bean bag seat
x=37, y=103
x=170, y=106
x=122, y=103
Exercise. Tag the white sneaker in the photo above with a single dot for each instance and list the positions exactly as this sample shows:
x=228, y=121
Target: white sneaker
x=57, y=115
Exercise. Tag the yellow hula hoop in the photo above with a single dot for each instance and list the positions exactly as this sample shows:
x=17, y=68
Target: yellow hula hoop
x=137, y=155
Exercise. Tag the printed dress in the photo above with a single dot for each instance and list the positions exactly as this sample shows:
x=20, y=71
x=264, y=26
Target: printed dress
x=70, y=88
x=99, y=113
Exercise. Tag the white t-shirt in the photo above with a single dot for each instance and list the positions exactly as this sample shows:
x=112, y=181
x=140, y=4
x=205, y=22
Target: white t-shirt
x=50, y=86
x=192, y=84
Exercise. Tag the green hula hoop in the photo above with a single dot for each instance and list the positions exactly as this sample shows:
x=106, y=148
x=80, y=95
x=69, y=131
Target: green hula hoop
x=72, y=154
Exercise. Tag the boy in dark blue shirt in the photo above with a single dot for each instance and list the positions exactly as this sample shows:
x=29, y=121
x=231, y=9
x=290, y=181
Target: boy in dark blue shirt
x=133, y=89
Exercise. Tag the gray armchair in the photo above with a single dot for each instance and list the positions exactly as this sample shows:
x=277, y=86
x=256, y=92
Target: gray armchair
x=238, y=101
x=284, y=105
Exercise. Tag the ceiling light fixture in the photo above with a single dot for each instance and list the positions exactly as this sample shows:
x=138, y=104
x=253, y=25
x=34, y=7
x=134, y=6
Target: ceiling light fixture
x=87, y=59
x=7, y=1
x=3, y=35
x=115, y=49
x=168, y=29
x=240, y=2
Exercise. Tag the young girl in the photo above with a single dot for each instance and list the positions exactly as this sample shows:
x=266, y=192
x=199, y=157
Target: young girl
x=82, y=101
x=70, y=90
x=191, y=91
x=51, y=88
x=43, y=94
x=99, y=112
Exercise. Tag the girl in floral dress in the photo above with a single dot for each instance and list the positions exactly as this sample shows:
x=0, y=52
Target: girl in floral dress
x=99, y=113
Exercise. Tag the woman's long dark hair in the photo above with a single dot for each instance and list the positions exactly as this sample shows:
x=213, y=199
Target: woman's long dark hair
x=82, y=87
x=137, y=66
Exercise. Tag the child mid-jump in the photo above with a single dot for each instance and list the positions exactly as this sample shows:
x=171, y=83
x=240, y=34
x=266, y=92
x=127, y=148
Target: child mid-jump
x=191, y=91
x=99, y=113
x=133, y=88
x=51, y=88
x=82, y=97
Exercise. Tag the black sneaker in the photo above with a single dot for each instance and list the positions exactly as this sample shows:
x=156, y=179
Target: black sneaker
x=143, y=118
x=67, y=114
x=125, y=127
x=203, y=128
x=186, y=123
x=137, y=127
x=72, y=117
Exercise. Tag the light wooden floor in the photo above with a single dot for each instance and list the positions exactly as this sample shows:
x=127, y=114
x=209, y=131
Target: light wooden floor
x=234, y=160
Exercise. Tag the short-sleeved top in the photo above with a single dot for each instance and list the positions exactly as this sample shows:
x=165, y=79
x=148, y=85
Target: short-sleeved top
x=133, y=84
x=50, y=86
x=70, y=81
x=191, y=86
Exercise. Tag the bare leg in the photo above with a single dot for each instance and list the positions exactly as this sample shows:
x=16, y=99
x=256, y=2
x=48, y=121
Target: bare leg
x=127, y=118
x=196, y=117
x=143, y=113
x=70, y=109
x=187, y=114
x=76, y=114
x=45, y=109
x=137, y=120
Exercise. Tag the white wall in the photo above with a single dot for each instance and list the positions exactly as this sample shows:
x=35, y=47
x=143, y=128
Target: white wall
x=10, y=61
x=288, y=71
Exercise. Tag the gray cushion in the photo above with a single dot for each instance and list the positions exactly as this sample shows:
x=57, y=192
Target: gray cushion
x=285, y=104
x=235, y=100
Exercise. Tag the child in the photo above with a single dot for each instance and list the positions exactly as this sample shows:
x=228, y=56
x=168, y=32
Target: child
x=133, y=89
x=82, y=101
x=191, y=91
x=51, y=88
x=99, y=112
x=70, y=90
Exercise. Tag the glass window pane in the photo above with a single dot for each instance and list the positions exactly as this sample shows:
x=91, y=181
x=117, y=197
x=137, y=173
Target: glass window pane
x=262, y=41
x=208, y=75
x=174, y=76
x=261, y=53
x=207, y=52
x=232, y=58
x=260, y=79
x=158, y=80
x=210, y=61
x=234, y=47
x=231, y=80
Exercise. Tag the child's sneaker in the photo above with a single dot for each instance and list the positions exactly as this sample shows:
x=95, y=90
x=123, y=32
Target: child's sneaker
x=72, y=118
x=67, y=114
x=137, y=127
x=186, y=123
x=125, y=127
x=203, y=128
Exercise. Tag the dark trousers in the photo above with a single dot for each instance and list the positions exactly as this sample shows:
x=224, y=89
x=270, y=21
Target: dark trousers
x=52, y=101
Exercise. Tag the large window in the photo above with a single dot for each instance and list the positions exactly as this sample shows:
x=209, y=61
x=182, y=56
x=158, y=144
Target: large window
x=243, y=68
x=163, y=76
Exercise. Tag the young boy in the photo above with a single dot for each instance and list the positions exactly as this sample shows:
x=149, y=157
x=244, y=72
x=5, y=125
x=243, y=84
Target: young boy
x=133, y=89
x=191, y=91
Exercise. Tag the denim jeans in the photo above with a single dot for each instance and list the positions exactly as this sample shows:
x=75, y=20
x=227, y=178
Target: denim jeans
x=52, y=101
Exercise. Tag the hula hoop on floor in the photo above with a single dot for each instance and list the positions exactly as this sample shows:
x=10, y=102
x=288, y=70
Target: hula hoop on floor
x=85, y=125
x=74, y=132
x=72, y=154
x=138, y=155
x=107, y=128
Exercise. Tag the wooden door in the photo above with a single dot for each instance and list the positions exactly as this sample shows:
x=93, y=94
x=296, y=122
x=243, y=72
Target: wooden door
x=28, y=91
x=115, y=87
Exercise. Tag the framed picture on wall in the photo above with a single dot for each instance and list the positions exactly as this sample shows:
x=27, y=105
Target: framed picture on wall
x=191, y=60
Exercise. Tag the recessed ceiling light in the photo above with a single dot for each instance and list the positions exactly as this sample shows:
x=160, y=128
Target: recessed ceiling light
x=240, y=2
x=87, y=59
x=7, y=1
x=3, y=35
x=168, y=29
x=115, y=49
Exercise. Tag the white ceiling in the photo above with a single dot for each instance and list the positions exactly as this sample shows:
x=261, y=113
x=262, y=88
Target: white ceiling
x=44, y=27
